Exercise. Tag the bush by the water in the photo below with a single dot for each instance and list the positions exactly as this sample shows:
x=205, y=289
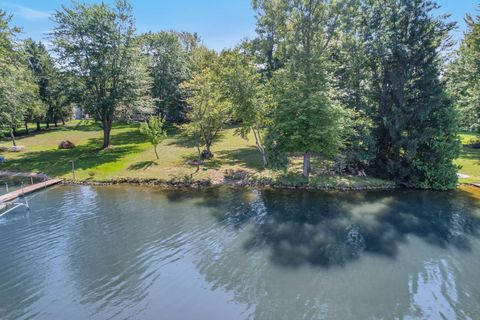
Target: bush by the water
x=235, y=174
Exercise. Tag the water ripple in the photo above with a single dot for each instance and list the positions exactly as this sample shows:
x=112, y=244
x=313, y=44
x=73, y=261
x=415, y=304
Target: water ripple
x=134, y=253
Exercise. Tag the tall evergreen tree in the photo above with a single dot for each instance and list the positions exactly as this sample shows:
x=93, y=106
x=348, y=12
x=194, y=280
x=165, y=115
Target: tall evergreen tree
x=352, y=80
x=463, y=75
x=43, y=68
x=415, y=121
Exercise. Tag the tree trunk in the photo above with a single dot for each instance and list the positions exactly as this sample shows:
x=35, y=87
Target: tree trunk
x=63, y=121
x=106, y=138
x=55, y=123
x=260, y=147
x=264, y=159
x=14, y=130
x=306, y=164
x=199, y=158
x=26, y=127
x=48, y=124
x=107, y=127
x=207, y=154
x=156, y=153
x=12, y=135
x=38, y=126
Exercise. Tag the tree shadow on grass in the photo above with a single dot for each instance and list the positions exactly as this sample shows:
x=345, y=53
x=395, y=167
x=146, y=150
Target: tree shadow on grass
x=245, y=157
x=212, y=163
x=470, y=153
x=5, y=137
x=142, y=165
x=128, y=137
x=90, y=125
x=120, y=139
x=85, y=126
x=182, y=139
x=58, y=162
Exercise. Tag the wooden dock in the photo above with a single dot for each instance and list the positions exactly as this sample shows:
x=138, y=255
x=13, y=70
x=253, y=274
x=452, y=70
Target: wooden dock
x=27, y=189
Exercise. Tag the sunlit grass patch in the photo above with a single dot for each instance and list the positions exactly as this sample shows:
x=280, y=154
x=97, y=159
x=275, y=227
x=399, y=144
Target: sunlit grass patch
x=469, y=160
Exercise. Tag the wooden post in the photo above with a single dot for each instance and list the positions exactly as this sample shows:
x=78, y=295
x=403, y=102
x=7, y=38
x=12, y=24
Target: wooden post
x=306, y=164
x=31, y=180
x=6, y=186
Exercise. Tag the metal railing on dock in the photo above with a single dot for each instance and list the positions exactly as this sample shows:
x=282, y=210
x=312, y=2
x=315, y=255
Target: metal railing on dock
x=6, y=200
x=28, y=189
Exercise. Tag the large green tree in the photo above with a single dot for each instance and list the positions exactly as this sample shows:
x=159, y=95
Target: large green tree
x=463, y=75
x=55, y=88
x=352, y=80
x=96, y=43
x=271, y=28
x=209, y=108
x=243, y=86
x=169, y=60
x=305, y=119
x=46, y=76
x=17, y=87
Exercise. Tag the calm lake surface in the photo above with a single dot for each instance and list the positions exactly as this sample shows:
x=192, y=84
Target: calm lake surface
x=134, y=253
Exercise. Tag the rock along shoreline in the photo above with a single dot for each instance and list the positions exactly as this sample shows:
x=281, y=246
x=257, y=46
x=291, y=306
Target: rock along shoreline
x=200, y=184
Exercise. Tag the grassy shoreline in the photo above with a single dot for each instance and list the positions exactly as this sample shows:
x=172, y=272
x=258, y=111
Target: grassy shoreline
x=131, y=159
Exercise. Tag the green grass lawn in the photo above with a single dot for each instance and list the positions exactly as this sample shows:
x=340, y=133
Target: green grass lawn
x=131, y=156
x=469, y=160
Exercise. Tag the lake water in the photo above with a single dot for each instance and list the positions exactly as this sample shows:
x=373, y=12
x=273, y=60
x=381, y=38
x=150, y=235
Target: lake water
x=86, y=252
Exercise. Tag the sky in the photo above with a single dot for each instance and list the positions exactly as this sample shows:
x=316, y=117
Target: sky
x=220, y=23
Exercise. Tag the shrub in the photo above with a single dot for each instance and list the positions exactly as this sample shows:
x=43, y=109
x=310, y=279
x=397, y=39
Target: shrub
x=66, y=145
x=235, y=174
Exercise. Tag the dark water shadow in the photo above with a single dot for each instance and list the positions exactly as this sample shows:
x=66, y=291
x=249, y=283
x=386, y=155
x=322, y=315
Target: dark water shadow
x=333, y=229
x=336, y=229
